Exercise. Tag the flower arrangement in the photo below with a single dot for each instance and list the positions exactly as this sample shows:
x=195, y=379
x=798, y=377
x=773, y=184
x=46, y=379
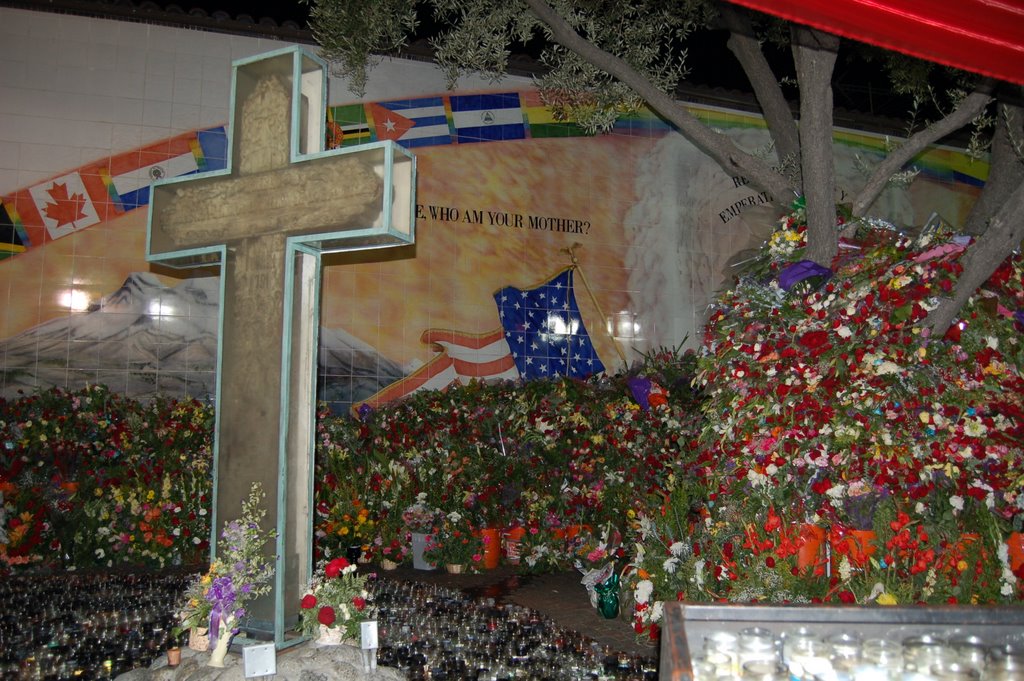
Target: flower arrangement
x=453, y=542
x=241, y=572
x=419, y=516
x=592, y=551
x=337, y=600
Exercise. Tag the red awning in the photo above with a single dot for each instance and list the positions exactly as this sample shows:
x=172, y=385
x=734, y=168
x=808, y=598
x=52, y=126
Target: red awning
x=983, y=36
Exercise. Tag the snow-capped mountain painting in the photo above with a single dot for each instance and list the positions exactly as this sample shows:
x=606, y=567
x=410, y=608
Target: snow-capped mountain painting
x=147, y=339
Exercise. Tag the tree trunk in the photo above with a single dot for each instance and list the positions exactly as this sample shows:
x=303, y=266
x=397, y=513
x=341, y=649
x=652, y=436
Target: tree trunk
x=815, y=54
x=731, y=158
x=1005, y=171
x=1004, y=234
x=774, y=107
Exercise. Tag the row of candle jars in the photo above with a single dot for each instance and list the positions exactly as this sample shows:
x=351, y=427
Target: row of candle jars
x=432, y=632
x=759, y=654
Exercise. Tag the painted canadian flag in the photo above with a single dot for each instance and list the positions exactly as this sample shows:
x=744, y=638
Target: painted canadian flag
x=64, y=205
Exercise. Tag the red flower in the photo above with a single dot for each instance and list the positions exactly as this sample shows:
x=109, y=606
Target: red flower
x=308, y=601
x=326, y=616
x=822, y=486
x=847, y=597
x=335, y=567
x=813, y=339
x=359, y=602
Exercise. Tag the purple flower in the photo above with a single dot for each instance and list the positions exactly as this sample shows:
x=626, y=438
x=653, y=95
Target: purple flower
x=803, y=269
x=641, y=389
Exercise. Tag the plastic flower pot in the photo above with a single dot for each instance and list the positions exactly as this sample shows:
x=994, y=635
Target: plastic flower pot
x=492, y=546
x=811, y=553
x=1015, y=543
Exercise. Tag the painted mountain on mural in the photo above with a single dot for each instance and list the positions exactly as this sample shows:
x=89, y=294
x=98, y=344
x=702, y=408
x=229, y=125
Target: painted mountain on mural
x=147, y=339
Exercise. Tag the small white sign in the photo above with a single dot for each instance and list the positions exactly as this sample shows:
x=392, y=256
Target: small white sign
x=259, y=660
x=368, y=630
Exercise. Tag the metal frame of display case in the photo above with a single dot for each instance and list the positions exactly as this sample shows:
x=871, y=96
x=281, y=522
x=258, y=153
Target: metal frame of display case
x=686, y=625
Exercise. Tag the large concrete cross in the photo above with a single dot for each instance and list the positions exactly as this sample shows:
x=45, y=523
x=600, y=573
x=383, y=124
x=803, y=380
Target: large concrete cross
x=281, y=202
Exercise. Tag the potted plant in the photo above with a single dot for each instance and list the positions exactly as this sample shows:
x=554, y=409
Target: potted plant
x=454, y=544
x=335, y=603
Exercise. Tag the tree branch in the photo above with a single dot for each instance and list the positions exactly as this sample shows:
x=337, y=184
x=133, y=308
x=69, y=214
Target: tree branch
x=777, y=112
x=970, y=107
x=986, y=254
x=732, y=159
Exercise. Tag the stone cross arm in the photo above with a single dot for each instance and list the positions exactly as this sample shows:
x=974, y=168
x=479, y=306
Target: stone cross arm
x=300, y=199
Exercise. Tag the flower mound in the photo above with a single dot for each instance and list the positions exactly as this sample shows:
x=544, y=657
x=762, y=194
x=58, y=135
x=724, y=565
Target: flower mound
x=829, y=411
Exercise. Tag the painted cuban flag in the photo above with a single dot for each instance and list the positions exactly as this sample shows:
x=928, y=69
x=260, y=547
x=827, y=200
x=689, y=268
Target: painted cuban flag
x=545, y=330
x=487, y=118
x=412, y=122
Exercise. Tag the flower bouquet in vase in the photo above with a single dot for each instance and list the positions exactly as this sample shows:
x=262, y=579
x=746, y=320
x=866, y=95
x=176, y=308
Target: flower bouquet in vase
x=454, y=544
x=335, y=603
x=595, y=557
x=419, y=519
x=216, y=600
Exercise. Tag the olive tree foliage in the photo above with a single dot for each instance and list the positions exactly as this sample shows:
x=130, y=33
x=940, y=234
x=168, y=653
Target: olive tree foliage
x=603, y=58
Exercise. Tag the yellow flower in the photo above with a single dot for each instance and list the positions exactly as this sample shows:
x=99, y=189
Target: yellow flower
x=886, y=598
x=961, y=566
x=98, y=492
x=343, y=531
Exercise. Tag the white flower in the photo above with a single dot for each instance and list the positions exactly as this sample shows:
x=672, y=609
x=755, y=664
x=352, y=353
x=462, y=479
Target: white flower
x=100, y=553
x=656, y=611
x=845, y=569
x=992, y=342
x=844, y=332
x=677, y=548
x=698, y=573
x=887, y=367
x=975, y=428
x=644, y=589
x=957, y=502
x=670, y=565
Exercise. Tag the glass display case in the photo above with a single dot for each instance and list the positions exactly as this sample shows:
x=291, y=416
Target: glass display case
x=704, y=642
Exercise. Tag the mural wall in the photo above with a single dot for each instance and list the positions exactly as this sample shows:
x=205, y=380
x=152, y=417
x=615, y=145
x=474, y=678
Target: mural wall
x=506, y=197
